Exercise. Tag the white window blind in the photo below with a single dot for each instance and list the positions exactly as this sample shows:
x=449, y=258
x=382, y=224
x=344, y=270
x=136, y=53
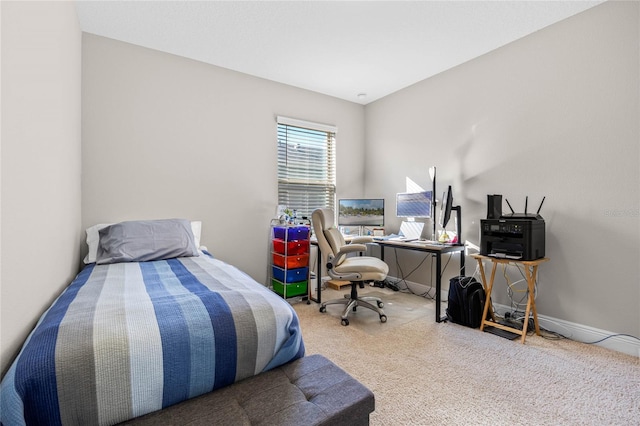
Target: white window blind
x=306, y=166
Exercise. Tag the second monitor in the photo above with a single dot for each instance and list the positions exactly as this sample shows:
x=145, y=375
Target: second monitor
x=361, y=212
x=414, y=204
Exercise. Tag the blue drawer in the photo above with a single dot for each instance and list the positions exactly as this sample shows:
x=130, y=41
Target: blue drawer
x=290, y=275
x=289, y=233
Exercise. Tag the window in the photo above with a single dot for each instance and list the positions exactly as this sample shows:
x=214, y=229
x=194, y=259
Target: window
x=306, y=165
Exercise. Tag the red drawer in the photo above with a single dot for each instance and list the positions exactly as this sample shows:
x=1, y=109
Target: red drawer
x=291, y=262
x=291, y=247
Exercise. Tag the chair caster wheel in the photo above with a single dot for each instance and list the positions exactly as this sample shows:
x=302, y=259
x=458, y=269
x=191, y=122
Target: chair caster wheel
x=383, y=318
x=380, y=304
x=323, y=309
x=345, y=322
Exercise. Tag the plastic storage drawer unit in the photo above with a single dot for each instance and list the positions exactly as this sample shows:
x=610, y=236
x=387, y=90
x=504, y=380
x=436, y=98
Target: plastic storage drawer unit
x=290, y=260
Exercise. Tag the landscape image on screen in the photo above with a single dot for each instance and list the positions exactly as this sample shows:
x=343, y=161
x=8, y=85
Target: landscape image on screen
x=361, y=212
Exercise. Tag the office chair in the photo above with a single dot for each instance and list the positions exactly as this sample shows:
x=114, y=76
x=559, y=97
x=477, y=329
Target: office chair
x=357, y=269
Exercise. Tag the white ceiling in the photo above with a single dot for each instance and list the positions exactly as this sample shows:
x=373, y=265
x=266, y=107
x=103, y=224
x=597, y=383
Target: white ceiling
x=339, y=48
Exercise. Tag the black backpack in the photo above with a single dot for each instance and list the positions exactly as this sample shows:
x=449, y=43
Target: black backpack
x=466, y=301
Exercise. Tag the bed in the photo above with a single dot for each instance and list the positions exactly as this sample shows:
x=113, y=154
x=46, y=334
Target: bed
x=132, y=335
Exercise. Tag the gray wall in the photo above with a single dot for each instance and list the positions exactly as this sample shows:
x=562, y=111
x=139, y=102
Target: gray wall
x=165, y=136
x=40, y=166
x=554, y=114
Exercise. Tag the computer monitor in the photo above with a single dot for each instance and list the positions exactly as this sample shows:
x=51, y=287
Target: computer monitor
x=447, y=206
x=361, y=212
x=414, y=204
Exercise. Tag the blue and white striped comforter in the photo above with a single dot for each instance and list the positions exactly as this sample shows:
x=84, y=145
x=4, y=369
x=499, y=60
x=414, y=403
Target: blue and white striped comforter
x=130, y=338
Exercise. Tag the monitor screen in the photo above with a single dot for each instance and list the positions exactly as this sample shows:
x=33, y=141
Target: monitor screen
x=446, y=207
x=361, y=212
x=414, y=204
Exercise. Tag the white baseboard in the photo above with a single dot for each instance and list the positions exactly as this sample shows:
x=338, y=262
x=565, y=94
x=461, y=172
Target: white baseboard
x=578, y=332
x=586, y=334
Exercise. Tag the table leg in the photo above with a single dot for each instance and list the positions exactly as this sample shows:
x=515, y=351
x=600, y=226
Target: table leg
x=530, y=274
x=533, y=299
x=487, y=301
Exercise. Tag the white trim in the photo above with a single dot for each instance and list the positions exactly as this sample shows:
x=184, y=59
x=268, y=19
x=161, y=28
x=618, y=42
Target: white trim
x=306, y=124
x=586, y=334
x=577, y=332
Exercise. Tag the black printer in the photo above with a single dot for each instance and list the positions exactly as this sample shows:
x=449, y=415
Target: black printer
x=513, y=236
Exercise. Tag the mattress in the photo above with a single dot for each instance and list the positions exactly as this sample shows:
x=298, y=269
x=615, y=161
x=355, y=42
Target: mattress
x=126, y=339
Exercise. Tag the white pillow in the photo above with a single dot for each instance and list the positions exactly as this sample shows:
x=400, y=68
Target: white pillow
x=93, y=238
x=196, y=228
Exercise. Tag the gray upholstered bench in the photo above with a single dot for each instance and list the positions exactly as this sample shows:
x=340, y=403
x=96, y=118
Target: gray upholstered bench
x=308, y=391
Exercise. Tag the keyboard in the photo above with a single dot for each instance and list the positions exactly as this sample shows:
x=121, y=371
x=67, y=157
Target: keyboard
x=403, y=239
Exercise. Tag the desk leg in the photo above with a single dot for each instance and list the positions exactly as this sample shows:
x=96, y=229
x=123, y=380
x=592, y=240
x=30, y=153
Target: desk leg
x=318, y=277
x=438, y=285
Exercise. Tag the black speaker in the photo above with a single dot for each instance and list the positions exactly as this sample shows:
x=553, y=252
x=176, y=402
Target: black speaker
x=494, y=206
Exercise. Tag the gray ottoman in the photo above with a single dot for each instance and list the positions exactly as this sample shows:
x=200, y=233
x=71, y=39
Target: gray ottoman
x=308, y=391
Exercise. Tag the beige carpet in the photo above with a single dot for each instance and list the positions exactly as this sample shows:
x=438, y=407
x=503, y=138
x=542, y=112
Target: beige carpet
x=399, y=309
x=425, y=373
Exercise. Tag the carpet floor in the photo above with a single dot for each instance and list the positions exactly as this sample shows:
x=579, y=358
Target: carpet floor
x=428, y=373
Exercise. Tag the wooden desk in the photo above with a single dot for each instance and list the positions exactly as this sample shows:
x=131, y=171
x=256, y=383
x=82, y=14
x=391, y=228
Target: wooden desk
x=436, y=249
x=531, y=272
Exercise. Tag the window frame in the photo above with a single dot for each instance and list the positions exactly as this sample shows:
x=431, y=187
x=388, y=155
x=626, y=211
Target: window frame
x=305, y=187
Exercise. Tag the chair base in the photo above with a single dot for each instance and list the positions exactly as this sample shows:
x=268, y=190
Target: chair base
x=352, y=301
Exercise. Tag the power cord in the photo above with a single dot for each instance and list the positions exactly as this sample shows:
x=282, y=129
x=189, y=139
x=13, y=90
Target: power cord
x=517, y=315
x=610, y=336
x=403, y=277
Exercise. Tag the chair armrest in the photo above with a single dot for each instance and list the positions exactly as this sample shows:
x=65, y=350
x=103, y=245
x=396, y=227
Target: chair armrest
x=350, y=248
x=362, y=240
x=344, y=250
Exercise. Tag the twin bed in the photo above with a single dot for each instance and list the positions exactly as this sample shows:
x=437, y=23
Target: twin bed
x=149, y=322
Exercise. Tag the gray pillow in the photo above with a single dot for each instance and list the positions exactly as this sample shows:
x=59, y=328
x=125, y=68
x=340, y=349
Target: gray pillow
x=144, y=240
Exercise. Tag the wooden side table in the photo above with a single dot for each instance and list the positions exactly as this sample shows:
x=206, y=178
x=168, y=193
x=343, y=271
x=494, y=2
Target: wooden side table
x=531, y=271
